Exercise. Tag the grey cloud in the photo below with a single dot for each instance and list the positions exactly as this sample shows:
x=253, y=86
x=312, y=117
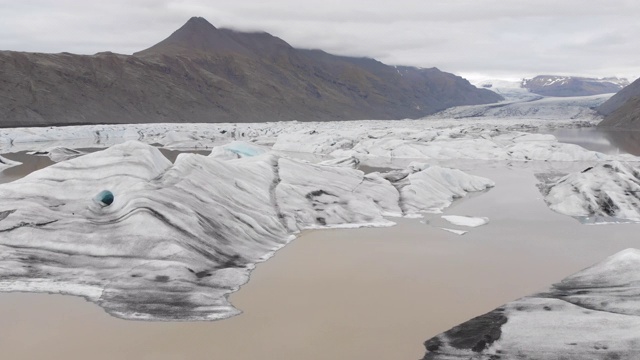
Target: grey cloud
x=492, y=38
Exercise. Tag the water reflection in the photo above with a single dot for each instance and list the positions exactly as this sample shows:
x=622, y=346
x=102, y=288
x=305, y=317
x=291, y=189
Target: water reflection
x=602, y=140
x=626, y=141
x=30, y=163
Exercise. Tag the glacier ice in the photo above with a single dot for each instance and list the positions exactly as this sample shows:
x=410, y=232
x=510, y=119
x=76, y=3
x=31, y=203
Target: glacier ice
x=454, y=231
x=468, y=221
x=603, y=193
x=178, y=238
x=58, y=153
x=6, y=163
x=594, y=314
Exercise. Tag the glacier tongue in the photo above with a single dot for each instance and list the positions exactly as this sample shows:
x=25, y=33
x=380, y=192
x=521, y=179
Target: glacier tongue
x=178, y=238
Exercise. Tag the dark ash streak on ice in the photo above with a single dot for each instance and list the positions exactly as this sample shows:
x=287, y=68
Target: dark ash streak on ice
x=594, y=314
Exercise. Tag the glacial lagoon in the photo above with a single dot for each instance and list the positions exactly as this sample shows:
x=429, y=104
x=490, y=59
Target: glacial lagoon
x=346, y=293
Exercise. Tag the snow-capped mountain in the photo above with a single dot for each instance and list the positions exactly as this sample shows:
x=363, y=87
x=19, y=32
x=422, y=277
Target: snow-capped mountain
x=509, y=89
x=554, y=85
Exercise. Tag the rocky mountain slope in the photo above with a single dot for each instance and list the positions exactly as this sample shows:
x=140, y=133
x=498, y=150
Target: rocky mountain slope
x=204, y=74
x=623, y=109
x=552, y=85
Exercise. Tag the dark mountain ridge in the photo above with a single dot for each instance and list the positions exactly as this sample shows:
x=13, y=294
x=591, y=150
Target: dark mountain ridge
x=622, y=110
x=204, y=74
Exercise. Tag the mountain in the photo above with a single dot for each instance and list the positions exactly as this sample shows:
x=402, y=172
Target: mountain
x=553, y=85
x=204, y=74
x=622, y=110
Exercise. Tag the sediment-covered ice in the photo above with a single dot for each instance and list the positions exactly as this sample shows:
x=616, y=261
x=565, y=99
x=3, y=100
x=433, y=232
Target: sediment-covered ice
x=468, y=221
x=608, y=192
x=148, y=239
x=594, y=314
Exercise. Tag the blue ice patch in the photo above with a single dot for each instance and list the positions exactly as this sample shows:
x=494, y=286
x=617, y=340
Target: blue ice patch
x=243, y=149
x=105, y=197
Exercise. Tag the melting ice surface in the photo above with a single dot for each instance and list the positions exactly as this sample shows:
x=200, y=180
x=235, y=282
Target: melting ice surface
x=469, y=221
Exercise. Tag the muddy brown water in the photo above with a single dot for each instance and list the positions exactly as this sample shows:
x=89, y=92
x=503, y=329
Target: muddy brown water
x=346, y=294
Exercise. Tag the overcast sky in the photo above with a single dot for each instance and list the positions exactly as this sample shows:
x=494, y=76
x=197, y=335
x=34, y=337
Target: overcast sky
x=473, y=38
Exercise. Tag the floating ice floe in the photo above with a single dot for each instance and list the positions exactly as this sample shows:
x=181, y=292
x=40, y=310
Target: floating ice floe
x=594, y=314
x=58, y=154
x=457, y=232
x=6, y=163
x=466, y=220
x=424, y=188
x=163, y=241
x=348, y=161
x=603, y=193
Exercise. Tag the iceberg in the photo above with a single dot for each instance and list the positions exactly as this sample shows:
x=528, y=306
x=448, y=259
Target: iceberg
x=466, y=220
x=172, y=241
x=58, y=153
x=594, y=314
x=454, y=231
x=603, y=193
x=427, y=188
x=6, y=163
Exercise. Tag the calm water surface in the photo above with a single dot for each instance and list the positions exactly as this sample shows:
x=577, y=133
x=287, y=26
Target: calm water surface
x=601, y=140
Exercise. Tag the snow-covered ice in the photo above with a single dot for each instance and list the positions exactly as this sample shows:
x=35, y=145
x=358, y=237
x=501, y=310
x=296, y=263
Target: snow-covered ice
x=594, y=314
x=468, y=221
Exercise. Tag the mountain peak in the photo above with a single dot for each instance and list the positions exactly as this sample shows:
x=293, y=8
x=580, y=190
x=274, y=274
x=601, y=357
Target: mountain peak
x=198, y=23
x=196, y=37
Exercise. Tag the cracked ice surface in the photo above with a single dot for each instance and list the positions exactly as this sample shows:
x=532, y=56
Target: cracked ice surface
x=178, y=238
